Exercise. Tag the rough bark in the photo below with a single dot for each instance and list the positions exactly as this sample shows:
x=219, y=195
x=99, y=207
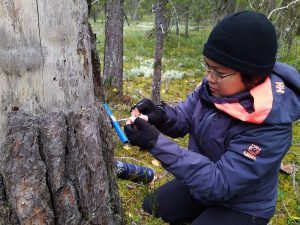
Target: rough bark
x=56, y=156
x=23, y=172
x=160, y=28
x=54, y=171
x=113, y=53
x=98, y=85
x=7, y=217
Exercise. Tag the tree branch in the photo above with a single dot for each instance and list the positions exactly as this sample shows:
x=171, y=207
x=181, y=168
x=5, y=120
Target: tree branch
x=284, y=7
x=135, y=12
x=94, y=2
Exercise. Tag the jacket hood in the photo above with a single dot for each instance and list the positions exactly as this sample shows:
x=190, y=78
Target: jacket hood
x=275, y=101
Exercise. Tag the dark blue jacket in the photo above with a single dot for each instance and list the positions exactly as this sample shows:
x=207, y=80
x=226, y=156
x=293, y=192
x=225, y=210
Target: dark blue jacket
x=236, y=143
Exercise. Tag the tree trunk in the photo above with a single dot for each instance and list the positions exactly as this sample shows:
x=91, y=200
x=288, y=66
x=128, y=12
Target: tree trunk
x=298, y=30
x=224, y=8
x=98, y=85
x=113, y=54
x=177, y=25
x=56, y=157
x=134, y=9
x=187, y=16
x=160, y=27
x=45, y=57
x=287, y=22
x=55, y=172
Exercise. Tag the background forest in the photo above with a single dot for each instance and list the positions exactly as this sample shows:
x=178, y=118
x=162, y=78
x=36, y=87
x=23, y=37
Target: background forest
x=185, y=26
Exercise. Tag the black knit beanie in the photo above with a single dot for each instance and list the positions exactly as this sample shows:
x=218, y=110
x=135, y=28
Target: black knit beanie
x=244, y=41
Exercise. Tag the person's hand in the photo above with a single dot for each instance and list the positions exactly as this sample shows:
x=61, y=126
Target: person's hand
x=141, y=133
x=146, y=107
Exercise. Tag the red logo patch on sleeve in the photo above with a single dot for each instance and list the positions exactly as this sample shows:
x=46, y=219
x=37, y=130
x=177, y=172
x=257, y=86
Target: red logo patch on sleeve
x=252, y=152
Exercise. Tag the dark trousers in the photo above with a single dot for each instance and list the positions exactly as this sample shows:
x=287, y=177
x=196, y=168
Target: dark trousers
x=174, y=204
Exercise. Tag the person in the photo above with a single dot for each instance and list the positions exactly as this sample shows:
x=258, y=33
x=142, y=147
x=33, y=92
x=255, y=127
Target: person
x=239, y=122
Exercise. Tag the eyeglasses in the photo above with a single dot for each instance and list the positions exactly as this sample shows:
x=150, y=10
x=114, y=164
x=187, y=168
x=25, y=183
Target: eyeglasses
x=217, y=75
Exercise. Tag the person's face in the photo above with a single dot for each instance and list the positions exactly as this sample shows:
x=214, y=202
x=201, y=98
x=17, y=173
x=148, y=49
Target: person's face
x=223, y=81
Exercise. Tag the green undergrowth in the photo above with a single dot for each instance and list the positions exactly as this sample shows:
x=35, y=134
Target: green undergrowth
x=290, y=56
x=181, y=74
x=288, y=206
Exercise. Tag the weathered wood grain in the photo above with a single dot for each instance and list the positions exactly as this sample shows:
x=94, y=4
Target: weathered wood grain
x=45, y=60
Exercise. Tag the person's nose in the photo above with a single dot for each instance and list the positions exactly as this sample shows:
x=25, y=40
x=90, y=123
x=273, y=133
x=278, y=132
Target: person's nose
x=211, y=77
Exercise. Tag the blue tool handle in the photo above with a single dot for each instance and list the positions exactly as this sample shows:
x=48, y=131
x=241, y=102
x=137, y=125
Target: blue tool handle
x=116, y=125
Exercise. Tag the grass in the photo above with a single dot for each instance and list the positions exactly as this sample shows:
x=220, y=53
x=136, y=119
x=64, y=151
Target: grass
x=182, y=56
x=288, y=207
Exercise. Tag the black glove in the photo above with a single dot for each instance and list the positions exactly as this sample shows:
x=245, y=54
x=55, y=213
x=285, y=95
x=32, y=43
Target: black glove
x=155, y=113
x=141, y=133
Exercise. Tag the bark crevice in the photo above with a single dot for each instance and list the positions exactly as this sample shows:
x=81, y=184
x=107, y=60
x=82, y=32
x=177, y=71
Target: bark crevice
x=40, y=40
x=54, y=165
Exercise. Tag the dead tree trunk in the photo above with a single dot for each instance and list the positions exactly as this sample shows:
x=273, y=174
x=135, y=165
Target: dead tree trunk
x=56, y=156
x=45, y=57
x=160, y=28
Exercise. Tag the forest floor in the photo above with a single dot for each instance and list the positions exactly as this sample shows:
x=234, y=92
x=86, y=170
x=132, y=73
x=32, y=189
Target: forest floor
x=181, y=74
